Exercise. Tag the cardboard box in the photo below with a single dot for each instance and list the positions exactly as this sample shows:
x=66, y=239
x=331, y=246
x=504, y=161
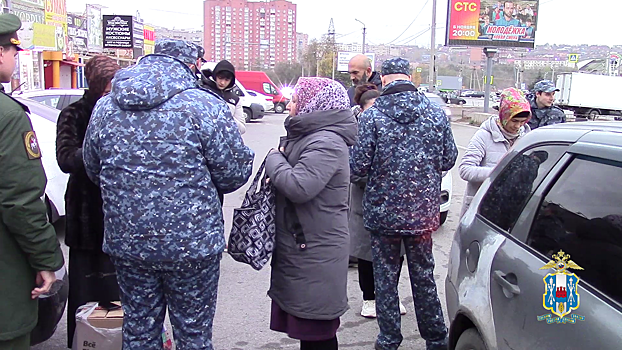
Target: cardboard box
x=109, y=319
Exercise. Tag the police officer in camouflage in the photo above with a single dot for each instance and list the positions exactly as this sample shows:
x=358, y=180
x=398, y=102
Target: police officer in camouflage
x=404, y=144
x=543, y=112
x=161, y=149
x=29, y=249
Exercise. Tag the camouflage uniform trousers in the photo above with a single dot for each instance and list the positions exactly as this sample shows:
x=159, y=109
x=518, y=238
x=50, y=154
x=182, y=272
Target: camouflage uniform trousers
x=386, y=255
x=187, y=288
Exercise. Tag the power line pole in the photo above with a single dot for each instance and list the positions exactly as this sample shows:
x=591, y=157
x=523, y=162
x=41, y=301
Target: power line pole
x=331, y=38
x=433, y=50
x=364, y=32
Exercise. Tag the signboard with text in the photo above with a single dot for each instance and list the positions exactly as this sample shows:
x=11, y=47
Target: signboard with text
x=343, y=58
x=78, y=34
x=492, y=23
x=94, y=28
x=118, y=32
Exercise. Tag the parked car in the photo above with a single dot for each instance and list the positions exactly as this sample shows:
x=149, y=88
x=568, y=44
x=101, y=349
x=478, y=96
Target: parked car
x=55, y=98
x=43, y=119
x=262, y=99
x=447, y=180
x=479, y=94
x=51, y=305
x=259, y=81
x=555, y=191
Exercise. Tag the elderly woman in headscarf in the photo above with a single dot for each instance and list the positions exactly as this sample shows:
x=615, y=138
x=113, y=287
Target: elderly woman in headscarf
x=493, y=140
x=92, y=276
x=311, y=175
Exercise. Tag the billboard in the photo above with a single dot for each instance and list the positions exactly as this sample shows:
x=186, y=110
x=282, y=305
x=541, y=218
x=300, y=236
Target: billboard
x=492, y=23
x=149, y=35
x=139, y=37
x=118, y=32
x=78, y=34
x=56, y=15
x=94, y=28
x=343, y=58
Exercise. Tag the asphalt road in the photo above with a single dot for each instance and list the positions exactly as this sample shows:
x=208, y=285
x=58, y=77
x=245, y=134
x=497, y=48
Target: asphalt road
x=243, y=309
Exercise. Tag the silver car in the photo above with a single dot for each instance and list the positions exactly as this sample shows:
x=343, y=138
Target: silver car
x=533, y=263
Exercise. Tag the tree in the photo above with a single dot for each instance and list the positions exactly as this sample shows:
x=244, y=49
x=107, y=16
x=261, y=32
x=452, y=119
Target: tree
x=285, y=73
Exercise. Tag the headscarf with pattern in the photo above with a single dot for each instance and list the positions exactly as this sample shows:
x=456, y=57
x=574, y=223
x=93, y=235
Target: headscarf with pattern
x=320, y=94
x=512, y=103
x=99, y=71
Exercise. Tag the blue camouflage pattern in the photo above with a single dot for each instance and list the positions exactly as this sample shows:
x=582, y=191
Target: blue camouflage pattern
x=387, y=266
x=395, y=66
x=189, y=290
x=544, y=116
x=545, y=86
x=404, y=144
x=184, y=51
x=160, y=149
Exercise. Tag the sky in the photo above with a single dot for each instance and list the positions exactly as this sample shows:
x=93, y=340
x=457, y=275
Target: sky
x=569, y=22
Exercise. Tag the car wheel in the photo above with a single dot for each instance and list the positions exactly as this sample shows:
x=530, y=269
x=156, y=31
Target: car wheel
x=593, y=114
x=248, y=115
x=444, y=216
x=461, y=102
x=470, y=340
x=279, y=108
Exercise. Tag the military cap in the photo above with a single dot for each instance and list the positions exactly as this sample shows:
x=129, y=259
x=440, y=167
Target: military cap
x=395, y=66
x=545, y=86
x=201, y=53
x=184, y=51
x=9, y=25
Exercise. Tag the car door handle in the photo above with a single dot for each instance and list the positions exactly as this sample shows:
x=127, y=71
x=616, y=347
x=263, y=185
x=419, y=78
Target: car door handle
x=508, y=286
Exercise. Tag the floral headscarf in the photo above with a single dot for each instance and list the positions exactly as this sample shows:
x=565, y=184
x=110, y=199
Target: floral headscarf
x=512, y=102
x=320, y=94
x=99, y=71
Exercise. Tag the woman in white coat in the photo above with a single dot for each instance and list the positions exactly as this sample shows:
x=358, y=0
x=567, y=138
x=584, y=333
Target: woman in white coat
x=493, y=140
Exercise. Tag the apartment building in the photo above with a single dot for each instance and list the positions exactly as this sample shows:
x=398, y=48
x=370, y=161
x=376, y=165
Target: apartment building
x=250, y=34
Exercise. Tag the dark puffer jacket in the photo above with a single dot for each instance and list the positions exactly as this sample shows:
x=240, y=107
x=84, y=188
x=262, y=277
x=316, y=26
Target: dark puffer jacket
x=83, y=201
x=405, y=143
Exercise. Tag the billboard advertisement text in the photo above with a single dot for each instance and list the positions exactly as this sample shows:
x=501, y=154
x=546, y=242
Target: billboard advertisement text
x=492, y=23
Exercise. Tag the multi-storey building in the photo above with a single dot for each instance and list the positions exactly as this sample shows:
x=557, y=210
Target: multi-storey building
x=195, y=36
x=251, y=35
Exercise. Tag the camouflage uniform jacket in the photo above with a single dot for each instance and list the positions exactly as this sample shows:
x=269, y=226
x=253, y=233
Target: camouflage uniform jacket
x=544, y=116
x=405, y=142
x=160, y=149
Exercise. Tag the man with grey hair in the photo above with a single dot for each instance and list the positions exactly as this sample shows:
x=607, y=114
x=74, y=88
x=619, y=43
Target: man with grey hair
x=404, y=144
x=361, y=72
x=161, y=149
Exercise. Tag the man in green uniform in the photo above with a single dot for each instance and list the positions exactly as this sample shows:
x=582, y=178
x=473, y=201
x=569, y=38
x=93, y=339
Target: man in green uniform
x=29, y=249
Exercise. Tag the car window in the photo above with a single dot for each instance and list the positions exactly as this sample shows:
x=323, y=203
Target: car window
x=73, y=98
x=51, y=100
x=267, y=88
x=504, y=200
x=582, y=216
x=437, y=99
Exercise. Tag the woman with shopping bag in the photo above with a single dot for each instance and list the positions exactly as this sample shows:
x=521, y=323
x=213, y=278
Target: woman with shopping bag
x=311, y=176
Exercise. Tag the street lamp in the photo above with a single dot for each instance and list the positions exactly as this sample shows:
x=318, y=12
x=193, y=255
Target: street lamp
x=364, y=29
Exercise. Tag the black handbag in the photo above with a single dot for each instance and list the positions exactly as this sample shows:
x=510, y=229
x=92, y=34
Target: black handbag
x=253, y=229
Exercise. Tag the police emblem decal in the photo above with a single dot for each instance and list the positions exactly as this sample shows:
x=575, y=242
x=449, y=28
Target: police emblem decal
x=561, y=295
x=32, y=145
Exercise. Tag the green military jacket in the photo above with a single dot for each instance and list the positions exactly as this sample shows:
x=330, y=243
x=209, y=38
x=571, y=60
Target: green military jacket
x=28, y=241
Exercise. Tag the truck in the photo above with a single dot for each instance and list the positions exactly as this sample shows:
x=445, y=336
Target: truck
x=260, y=82
x=589, y=95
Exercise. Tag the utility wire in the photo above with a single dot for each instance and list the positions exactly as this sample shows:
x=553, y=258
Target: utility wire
x=411, y=23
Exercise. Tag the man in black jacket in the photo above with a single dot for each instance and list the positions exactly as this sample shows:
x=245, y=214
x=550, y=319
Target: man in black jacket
x=221, y=81
x=360, y=71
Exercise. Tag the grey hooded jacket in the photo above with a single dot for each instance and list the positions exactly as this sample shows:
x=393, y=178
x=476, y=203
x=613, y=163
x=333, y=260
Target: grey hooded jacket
x=486, y=149
x=312, y=178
